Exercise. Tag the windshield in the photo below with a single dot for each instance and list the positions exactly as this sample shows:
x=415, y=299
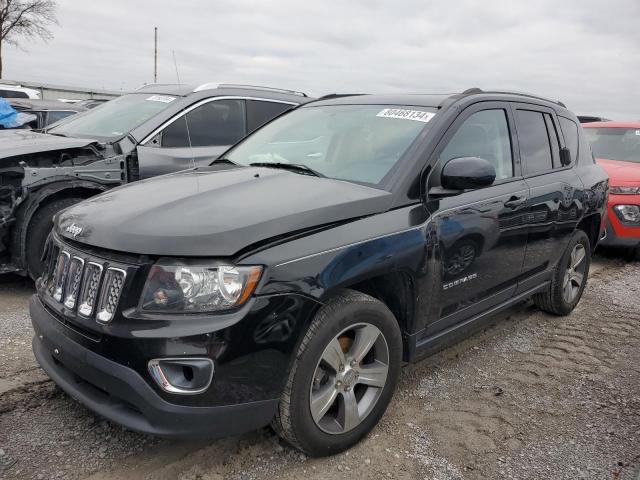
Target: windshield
x=358, y=143
x=615, y=143
x=114, y=119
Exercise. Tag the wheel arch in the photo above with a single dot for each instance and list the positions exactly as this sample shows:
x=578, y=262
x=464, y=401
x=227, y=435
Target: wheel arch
x=36, y=200
x=591, y=225
x=396, y=290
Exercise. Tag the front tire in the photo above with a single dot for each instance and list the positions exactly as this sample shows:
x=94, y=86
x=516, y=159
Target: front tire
x=39, y=229
x=569, y=278
x=343, y=376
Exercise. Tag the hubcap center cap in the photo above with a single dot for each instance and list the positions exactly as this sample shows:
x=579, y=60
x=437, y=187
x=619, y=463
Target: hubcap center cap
x=349, y=378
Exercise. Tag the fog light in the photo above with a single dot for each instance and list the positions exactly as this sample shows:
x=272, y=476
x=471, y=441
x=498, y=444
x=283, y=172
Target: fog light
x=185, y=376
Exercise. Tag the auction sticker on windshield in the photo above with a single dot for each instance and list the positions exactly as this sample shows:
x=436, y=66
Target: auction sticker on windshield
x=161, y=98
x=417, y=115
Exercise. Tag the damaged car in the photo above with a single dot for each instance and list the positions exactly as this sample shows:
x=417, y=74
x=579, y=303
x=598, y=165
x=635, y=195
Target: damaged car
x=287, y=282
x=156, y=130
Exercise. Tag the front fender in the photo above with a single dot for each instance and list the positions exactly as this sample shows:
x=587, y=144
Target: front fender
x=30, y=204
x=319, y=264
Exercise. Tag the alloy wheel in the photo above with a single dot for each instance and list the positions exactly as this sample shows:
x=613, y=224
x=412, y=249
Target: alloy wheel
x=349, y=378
x=574, y=276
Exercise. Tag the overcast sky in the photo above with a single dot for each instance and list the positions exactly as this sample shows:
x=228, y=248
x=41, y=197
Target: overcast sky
x=584, y=52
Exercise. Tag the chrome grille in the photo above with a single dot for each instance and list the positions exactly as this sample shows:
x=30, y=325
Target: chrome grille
x=89, y=285
x=49, y=277
x=60, y=275
x=113, y=282
x=73, y=283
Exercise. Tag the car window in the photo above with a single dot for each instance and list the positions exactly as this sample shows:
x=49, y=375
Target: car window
x=570, y=133
x=115, y=118
x=13, y=94
x=535, y=149
x=554, y=140
x=215, y=123
x=484, y=134
x=54, y=115
x=612, y=143
x=260, y=112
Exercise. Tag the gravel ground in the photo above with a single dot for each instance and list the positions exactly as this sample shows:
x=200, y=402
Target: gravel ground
x=533, y=396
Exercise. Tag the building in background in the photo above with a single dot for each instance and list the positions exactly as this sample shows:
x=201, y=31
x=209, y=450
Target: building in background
x=59, y=92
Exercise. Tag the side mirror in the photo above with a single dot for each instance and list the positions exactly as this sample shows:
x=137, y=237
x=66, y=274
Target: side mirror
x=565, y=157
x=467, y=173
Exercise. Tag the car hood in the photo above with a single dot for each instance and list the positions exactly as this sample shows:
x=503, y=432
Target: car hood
x=620, y=172
x=22, y=142
x=215, y=211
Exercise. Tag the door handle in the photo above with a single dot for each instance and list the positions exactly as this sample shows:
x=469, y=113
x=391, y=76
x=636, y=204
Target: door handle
x=515, y=201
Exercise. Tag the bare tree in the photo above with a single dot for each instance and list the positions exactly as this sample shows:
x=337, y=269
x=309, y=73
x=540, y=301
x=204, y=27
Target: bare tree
x=25, y=19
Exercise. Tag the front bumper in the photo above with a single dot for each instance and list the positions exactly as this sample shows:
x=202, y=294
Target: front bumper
x=619, y=234
x=121, y=394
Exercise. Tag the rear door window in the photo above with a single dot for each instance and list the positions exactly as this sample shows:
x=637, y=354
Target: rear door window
x=260, y=112
x=535, y=148
x=215, y=123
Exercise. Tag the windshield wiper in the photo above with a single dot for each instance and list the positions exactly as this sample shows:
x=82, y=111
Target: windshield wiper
x=294, y=167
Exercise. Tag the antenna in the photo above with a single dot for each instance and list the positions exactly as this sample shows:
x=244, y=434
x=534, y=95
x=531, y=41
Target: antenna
x=176, y=65
x=155, y=54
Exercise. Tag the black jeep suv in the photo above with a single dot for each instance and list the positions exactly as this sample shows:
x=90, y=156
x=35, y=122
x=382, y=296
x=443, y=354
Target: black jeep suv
x=286, y=282
x=155, y=130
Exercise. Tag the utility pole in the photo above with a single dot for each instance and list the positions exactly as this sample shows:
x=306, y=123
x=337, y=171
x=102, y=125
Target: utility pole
x=155, y=54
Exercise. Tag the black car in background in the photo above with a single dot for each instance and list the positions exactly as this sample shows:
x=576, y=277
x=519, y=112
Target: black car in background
x=591, y=119
x=286, y=282
x=157, y=129
x=46, y=112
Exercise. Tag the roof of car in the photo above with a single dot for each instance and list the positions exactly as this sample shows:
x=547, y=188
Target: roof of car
x=611, y=124
x=35, y=104
x=418, y=100
x=433, y=100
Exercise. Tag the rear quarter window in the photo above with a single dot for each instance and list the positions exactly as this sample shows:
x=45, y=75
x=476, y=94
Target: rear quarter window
x=570, y=134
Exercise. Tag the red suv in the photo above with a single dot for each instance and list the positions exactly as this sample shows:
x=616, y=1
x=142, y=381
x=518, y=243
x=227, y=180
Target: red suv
x=616, y=146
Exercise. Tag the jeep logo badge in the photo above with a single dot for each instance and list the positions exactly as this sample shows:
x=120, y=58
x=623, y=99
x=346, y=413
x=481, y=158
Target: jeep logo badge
x=73, y=229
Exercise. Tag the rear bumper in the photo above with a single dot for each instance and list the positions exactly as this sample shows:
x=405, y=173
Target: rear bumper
x=121, y=395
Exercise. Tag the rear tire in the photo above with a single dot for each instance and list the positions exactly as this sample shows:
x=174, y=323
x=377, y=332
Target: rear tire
x=350, y=320
x=39, y=229
x=569, y=279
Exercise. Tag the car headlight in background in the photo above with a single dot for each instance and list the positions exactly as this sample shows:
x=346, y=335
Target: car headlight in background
x=629, y=214
x=198, y=288
x=618, y=190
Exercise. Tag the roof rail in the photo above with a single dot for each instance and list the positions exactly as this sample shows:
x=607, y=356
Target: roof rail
x=212, y=85
x=329, y=96
x=154, y=84
x=475, y=91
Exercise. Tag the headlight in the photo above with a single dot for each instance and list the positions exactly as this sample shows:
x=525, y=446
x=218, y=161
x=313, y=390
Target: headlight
x=624, y=190
x=628, y=213
x=198, y=288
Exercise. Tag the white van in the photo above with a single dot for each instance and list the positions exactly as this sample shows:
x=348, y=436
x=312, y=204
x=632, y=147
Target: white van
x=17, y=91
